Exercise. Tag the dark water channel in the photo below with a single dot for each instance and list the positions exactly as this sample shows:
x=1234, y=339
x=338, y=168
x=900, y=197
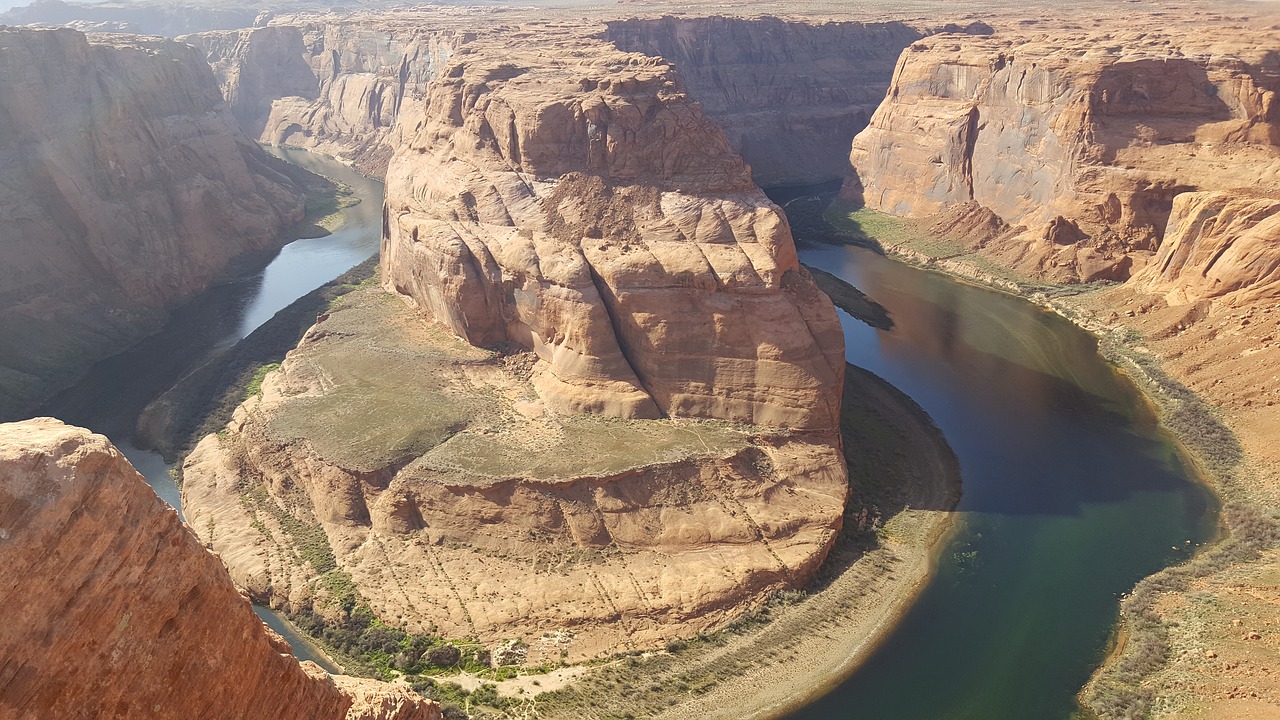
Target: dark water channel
x=1071, y=495
x=112, y=395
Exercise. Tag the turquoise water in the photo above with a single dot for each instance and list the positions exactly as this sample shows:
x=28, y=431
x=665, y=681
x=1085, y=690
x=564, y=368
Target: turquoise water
x=1071, y=494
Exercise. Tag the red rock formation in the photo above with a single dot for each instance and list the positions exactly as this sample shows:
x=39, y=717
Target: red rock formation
x=589, y=211
x=1218, y=245
x=114, y=609
x=1081, y=140
x=125, y=186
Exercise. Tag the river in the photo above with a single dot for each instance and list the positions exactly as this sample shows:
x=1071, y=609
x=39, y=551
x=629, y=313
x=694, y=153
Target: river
x=1071, y=494
x=1071, y=491
x=113, y=393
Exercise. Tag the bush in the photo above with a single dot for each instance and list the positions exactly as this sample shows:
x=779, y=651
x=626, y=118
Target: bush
x=444, y=655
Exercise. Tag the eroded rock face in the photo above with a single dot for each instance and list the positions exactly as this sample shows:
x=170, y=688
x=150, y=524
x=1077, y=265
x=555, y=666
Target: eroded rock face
x=1080, y=141
x=457, y=504
x=1217, y=245
x=337, y=87
x=790, y=96
x=125, y=185
x=590, y=212
x=114, y=608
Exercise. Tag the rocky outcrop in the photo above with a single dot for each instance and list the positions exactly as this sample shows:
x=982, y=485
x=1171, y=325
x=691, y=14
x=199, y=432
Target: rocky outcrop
x=790, y=96
x=337, y=87
x=1079, y=140
x=1217, y=245
x=388, y=456
x=116, y=610
x=591, y=213
x=573, y=239
x=125, y=186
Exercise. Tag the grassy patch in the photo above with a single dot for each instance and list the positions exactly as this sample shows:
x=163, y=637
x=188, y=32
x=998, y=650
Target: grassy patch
x=203, y=401
x=254, y=386
x=307, y=538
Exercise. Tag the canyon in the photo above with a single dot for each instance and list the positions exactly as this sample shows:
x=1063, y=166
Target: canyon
x=585, y=221
x=107, y=139
x=590, y=402
x=148, y=623
x=1142, y=162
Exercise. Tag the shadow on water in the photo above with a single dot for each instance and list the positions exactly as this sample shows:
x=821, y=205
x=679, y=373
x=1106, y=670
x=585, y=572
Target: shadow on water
x=112, y=394
x=1071, y=494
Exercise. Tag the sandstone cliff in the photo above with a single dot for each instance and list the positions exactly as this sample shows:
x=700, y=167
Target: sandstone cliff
x=591, y=212
x=584, y=266
x=114, y=609
x=428, y=474
x=337, y=87
x=125, y=185
x=1078, y=140
x=790, y=96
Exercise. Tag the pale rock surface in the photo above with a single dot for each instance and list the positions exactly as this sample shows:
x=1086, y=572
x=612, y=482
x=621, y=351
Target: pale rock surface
x=336, y=86
x=582, y=206
x=114, y=609
x=125, y=185
x=456, y=509
x=1078, y=140
x=790, y=96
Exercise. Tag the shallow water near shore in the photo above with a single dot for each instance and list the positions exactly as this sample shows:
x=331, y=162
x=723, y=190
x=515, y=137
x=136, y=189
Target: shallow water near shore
x=1071, y=494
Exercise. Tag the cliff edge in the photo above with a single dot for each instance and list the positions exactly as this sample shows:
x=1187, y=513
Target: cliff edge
x=115, y=609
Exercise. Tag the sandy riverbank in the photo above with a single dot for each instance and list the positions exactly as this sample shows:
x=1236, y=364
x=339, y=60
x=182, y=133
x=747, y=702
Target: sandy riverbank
x=1198, y=640
x=902, y=472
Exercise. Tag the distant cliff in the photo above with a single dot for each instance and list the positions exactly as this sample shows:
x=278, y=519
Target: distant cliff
x=115, y=609
x=1078, y=142
x=335, y=87
x=125, y=186
x=789, y=95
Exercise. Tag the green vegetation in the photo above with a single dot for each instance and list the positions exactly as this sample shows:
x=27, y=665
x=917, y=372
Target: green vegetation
x=254, y=386
x=203, y=401
x=308, y=539
x=1118, y=691
x=325, y=205
x=869, y=228
x=344, y=625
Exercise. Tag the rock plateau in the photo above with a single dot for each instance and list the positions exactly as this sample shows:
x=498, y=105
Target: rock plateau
x=602, y=413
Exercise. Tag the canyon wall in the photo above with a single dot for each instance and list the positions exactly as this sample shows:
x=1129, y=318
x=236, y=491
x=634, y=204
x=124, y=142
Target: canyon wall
x=790, y=96
x=1077, y=141
x=594, y=215
x=337, y=87
x=600, y=408
x=115, y=609
x=125, y=186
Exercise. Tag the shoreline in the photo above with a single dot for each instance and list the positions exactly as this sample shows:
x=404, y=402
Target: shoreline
x=1139, y=617
x=806, y=648
x=823, y=659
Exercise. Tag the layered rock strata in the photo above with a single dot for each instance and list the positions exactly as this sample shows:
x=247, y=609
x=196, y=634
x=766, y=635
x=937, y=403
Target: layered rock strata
x=115, y=609
x=457, y=503
x=1079, y=142
x=790, y=96
x=125, y=186
x=591, y=213
x=532, y=441
x=337, y=87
